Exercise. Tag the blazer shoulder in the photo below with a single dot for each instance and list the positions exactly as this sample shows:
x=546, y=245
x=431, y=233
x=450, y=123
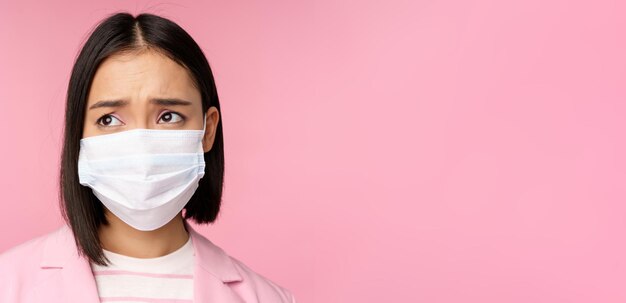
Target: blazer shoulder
x=248, y=284
x=20, y=268
x=26, y=254
x=266, y=290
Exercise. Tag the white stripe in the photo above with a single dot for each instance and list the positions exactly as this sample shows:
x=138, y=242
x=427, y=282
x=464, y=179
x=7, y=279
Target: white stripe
x=139, y=286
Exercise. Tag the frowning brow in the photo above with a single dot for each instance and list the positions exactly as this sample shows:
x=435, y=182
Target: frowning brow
x=108, y=103
x=169, y=101
x=158, y=101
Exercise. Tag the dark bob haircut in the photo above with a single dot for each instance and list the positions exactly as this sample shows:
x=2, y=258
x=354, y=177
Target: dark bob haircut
x=122, y=32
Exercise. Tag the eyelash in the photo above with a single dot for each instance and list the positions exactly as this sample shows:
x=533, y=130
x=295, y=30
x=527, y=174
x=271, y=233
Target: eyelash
x=99, y=120
x=182, y=117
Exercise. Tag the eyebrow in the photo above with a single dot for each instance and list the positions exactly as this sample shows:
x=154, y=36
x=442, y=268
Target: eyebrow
x=158, y=101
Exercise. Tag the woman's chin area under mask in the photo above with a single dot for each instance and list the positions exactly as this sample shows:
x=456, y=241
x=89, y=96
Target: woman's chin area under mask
x=123, y=239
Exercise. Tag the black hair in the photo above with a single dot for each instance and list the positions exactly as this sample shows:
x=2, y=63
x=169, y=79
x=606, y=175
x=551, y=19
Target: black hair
x=123, y=32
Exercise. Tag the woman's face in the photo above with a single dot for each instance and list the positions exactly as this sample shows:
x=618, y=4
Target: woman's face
x=145, y=90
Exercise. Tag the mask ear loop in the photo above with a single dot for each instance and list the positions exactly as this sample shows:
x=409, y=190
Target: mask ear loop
x=203, y=124
x=203, y=132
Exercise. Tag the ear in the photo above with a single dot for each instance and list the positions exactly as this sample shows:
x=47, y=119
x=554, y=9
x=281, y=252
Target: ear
x=212, y=119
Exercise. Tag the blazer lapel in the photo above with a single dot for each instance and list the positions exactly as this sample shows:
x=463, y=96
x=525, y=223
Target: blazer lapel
x=213, y=272
x=76, y=282
x=79, y=283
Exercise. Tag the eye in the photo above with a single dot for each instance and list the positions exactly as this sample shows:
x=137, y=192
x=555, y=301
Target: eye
x=171, y=117
x=109, y=120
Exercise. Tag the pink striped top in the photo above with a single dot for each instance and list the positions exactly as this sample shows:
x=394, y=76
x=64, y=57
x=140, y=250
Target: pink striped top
x=166, y=279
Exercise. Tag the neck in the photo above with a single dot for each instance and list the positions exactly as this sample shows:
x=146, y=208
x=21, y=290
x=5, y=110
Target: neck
x=121, y=238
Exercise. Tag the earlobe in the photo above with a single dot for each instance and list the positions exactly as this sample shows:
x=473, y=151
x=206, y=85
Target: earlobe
x=205, y=144
x=212, y=118
x=207, y=141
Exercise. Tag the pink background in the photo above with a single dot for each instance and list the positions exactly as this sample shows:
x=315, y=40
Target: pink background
x=379, y=151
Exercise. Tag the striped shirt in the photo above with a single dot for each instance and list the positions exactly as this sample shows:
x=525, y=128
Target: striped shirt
x=166, y=279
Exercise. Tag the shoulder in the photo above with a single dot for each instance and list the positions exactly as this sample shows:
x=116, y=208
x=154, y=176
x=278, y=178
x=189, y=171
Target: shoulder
x=250, y=285
x=22, y=256
x=20, y=266
x=263, y=286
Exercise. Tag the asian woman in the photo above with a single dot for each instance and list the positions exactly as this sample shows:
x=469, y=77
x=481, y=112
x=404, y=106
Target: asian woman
x=143, y=153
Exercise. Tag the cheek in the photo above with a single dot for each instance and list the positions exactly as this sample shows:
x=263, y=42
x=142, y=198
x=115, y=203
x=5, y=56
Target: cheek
x=89, y=127
x=88, y=131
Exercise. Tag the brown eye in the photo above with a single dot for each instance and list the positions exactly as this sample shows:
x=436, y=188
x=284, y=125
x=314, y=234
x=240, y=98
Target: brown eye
x=109, y=120
x=170, y=117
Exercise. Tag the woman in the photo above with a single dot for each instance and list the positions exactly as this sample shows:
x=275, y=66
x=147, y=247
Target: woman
x=143, y=152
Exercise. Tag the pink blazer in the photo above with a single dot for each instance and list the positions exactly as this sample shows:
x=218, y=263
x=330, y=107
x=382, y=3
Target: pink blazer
x=48, y=269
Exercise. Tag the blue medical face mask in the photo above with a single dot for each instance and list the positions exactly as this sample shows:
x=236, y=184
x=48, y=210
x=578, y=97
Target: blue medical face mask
x=143, y=176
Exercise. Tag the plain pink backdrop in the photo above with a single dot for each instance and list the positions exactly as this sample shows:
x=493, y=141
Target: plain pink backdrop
x=376, y=151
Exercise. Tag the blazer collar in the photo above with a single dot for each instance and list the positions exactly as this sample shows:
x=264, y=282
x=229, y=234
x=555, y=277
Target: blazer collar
x=60, y=251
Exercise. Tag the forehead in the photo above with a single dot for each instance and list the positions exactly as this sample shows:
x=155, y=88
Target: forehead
x=139, y=76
